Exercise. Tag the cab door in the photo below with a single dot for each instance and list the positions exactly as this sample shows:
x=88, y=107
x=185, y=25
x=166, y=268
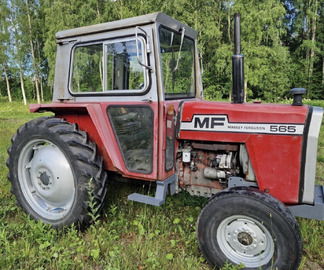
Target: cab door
x=115, y=72
x=178, y=66
x=133, y=118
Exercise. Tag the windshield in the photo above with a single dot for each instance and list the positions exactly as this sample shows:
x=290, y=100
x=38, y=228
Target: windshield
x=180, y=82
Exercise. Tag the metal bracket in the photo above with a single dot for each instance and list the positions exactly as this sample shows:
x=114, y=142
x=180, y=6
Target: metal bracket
x=240, y=182
x=315, y=211
x=147, y=47
x=160, y=194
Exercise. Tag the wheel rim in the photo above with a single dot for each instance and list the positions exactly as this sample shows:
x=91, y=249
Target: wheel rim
x=46, y=179
x=245, y=240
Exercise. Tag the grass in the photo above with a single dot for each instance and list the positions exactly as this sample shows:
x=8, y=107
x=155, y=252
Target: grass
x=127, y=236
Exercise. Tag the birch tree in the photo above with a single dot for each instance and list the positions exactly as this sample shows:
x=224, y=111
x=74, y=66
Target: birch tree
x=18, y=40
x=32, y=50
x=4, y=43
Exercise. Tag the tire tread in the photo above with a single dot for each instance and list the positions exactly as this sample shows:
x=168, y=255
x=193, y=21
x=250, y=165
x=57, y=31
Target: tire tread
x=81, y=148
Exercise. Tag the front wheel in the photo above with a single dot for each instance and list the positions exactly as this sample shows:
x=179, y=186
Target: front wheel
x=250, y=227
x=51, y=163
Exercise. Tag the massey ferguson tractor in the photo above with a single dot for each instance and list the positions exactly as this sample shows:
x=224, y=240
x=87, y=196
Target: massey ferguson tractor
x=128, y=99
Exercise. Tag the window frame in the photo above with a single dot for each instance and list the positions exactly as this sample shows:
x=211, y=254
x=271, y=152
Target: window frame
x=177, y=95
x=105, y=44
x=111, y=92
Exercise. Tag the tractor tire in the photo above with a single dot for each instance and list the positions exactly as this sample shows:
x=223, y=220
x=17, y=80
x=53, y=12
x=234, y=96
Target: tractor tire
x=244, y=225
x=51, y=163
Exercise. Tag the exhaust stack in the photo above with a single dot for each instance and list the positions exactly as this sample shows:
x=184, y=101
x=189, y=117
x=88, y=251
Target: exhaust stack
x=237, y=63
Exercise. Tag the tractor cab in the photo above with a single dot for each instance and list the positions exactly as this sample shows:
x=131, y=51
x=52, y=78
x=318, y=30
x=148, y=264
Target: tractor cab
x=126, y=79
x=151, y=57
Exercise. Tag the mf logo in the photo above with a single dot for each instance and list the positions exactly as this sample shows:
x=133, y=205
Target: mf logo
x=207, y=122
x=220, y=123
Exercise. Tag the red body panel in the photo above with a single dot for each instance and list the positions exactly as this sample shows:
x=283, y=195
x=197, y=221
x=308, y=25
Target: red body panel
x=276, y=159
x=166, y=128
x=247, y=112
x=92, y=117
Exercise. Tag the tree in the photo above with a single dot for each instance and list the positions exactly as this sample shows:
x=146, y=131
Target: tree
x=282, y=41
x=265, y=58
x=32, y=49
x=4, y=42
x=304, y=19
x=61, y=15
x=20, y=51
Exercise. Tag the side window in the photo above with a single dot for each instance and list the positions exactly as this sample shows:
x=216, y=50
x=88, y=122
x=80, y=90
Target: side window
x=123, y=69
x=87, y=69
x=178, y=82
x=108, y=67
x=133, y=126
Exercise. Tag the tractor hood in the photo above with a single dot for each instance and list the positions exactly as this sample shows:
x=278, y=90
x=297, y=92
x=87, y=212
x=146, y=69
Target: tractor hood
x=203, y=117
x=281, y=140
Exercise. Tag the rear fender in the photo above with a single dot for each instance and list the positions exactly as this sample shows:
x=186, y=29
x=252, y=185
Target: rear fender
x=89, y=118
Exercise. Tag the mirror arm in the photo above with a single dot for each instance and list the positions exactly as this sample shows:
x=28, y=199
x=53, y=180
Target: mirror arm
x=137, y=50
x=201, y=62
x=183, y=30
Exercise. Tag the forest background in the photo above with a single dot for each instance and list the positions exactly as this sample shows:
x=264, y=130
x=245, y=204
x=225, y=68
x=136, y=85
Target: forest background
x=282, y=42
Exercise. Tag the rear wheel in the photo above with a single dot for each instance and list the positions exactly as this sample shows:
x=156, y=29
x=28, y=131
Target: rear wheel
x=250, y=227
x=50, y=165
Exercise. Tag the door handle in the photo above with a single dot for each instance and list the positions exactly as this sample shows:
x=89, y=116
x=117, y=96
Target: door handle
x=147, y=100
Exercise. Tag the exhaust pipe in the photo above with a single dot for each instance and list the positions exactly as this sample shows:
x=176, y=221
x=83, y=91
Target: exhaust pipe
x=237, y=63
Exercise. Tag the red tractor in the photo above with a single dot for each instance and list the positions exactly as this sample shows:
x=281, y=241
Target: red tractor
x=128, y=99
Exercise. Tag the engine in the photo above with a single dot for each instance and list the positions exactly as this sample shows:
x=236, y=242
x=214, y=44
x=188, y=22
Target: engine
x=207, y=168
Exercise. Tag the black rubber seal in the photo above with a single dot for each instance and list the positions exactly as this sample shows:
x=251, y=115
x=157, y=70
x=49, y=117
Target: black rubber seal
x=303, y=154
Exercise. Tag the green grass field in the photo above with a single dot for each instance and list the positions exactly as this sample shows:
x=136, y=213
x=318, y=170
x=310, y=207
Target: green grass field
x=128, y=235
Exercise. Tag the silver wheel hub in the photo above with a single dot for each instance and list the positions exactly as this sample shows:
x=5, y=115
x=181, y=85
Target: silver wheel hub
x=46, y=179
x=245, y=240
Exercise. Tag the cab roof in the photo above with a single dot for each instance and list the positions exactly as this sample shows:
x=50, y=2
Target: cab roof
x=157, y=17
